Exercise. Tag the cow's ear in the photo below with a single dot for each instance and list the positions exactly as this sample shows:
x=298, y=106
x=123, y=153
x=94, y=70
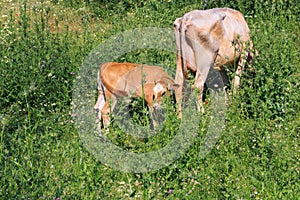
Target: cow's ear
x=222, y=16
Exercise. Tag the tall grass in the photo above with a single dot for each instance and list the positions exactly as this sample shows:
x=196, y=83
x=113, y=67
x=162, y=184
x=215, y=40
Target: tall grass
x=43, y=44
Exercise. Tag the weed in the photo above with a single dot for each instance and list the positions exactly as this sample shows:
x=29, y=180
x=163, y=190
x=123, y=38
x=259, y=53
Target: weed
x=44, y=43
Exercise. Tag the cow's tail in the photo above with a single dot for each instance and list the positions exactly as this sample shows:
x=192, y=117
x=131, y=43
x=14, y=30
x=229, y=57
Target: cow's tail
x=180, y=57
x=182, y=48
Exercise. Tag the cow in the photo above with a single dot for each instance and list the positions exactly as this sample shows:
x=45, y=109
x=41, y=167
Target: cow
x=117, y=80
x=210, y=39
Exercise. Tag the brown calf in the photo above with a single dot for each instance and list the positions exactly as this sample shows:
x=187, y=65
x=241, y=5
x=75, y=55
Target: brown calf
x=129, y=79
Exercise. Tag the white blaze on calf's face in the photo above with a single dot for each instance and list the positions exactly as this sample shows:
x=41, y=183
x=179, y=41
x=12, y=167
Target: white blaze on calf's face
x=158, y=91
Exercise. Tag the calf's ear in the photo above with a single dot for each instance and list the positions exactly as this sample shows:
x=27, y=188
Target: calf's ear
x=173, y=86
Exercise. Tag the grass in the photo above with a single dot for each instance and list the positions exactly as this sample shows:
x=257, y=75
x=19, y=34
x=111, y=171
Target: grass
x=43, y=45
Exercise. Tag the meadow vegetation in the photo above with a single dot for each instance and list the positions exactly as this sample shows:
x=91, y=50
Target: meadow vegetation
x=43, y=45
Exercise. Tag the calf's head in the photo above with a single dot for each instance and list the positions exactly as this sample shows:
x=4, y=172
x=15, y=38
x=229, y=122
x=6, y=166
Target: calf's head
x=159, y=90
x=155, y=91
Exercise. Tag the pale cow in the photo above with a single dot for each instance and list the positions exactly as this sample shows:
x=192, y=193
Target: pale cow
x=128, y=79
x=206, y=39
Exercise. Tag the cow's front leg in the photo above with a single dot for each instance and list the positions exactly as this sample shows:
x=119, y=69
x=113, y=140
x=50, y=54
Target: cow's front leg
x=199, y=86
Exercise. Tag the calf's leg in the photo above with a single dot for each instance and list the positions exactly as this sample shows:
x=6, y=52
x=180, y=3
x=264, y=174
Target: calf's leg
x=108, y=107
x=98, y=107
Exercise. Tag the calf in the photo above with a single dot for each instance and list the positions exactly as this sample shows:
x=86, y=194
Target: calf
x=128, y=79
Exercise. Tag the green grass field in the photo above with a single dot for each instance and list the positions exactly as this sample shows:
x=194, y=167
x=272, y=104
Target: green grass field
x=42, y=47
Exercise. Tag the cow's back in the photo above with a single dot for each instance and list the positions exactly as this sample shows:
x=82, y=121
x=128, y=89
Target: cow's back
x=234, y=22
